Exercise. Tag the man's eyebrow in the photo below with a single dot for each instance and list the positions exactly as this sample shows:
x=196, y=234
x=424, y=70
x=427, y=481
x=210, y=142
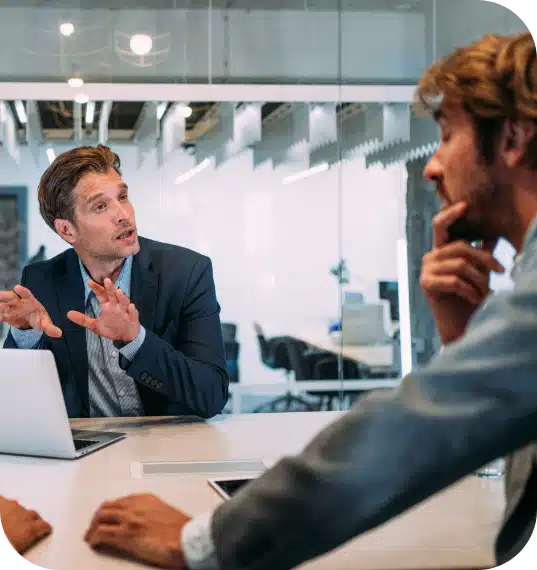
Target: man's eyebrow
x=95, y=197
x=123, y=186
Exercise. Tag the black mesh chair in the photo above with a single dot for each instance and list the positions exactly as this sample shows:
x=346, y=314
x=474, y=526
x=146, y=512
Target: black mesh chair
x=275, y=354
x=232, y=350
x=327, y=368
x=229, y=332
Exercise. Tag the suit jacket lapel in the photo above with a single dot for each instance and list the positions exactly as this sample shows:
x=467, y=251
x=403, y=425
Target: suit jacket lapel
x=144, y=284
x=70, y=294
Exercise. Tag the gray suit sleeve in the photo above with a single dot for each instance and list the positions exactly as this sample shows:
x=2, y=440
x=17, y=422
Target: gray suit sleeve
x=477, y=400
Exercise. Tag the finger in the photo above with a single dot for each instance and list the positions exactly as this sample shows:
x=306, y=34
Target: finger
x=38, y=533
x=82, y=320
x=109, y=286
x=103, y=517
x=106, y=507
x=42, y=529
x=122, y=299
x=483, y=259
x=23, y=292
x=100, y=292
x=453, y=285
x=444, y=219
x=106, y=536
x=133, y=312
x=466, y=271
x=50, y=329
x=9, y=298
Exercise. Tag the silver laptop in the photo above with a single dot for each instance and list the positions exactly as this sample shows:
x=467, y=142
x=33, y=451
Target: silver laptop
x=33, y=417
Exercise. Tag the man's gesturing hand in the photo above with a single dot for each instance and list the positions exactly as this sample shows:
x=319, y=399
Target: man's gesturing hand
x=118, y=318
x=20, y=309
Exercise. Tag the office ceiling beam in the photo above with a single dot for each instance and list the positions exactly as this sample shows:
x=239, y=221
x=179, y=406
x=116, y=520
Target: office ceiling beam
x=322, y=125
x=292, y=146
x=211, y=143
x=77, y=122
x=246, y=132
x=423, y=141
x=104, y=118
x=172, y=131
x=34, y=130
x=8, y=132
x=147, y=131
x=205, y=92
x=364, y=129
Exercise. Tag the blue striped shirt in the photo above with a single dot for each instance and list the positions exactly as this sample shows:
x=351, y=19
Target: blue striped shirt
x=112, y=392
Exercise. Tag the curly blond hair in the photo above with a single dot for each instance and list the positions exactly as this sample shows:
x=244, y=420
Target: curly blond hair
x=493, y=79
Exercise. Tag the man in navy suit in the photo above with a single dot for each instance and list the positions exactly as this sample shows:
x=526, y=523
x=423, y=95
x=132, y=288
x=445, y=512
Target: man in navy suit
x=133, y=324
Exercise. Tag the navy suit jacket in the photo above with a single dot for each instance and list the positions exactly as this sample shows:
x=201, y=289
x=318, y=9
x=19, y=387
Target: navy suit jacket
x=180, y=368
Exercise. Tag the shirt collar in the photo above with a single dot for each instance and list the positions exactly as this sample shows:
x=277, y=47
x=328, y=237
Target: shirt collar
x=123, y=281
x=530, y=237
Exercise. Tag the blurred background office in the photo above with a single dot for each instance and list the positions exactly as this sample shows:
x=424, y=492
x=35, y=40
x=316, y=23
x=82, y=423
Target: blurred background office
x=276, y=137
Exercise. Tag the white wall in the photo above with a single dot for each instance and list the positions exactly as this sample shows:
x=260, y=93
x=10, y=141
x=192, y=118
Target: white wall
x=272, y=245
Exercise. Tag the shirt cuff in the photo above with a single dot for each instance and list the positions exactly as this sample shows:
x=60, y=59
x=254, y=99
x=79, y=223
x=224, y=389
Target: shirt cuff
x=197, y=543
x=130, y=350
x=26, y=338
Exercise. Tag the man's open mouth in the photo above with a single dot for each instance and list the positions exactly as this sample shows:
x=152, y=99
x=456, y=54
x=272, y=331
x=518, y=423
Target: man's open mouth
x=126, y=235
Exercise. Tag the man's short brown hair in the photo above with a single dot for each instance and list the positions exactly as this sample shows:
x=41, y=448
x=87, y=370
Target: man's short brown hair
x=494, y=79
x=56, y=198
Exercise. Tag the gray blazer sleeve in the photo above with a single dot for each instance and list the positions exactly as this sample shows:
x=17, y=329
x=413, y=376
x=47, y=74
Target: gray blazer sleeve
x=477, y=400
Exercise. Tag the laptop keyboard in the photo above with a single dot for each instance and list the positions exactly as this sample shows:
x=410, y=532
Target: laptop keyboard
x=82, y=443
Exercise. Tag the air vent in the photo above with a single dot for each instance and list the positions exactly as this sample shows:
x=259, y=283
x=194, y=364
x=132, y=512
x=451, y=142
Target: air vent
x=181, y=468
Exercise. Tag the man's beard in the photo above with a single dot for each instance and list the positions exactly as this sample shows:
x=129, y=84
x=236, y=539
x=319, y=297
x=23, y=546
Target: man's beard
x=491, y=209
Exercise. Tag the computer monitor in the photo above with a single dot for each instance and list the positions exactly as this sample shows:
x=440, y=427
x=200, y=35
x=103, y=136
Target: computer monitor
x=389, y=291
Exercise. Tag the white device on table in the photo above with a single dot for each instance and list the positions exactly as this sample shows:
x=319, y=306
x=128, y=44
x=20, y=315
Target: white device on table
x=33, y=417
x=367, y=324
x=227, y=487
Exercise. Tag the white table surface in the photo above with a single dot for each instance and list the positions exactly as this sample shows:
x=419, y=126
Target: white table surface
x=454, y=529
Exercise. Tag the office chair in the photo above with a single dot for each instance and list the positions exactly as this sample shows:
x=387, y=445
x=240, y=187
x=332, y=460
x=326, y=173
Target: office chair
x=275, y=354
x=232, y=350
x=229, y=332
x=328, y=369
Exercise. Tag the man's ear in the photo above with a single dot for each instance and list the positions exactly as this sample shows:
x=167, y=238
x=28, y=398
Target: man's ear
x=66, y=230
x=516, y=137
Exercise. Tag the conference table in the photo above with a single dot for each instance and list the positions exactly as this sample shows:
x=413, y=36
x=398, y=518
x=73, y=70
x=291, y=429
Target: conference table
x=453, y=530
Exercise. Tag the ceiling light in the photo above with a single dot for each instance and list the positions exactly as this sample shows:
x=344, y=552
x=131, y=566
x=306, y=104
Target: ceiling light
x=75, y=82
x=90, y=112
x=81, y=98
x=141, y=44
x=67, y=29
x=51, y=155
x=185, y=111
x=21, y=112
x=193, y=171
x=306, y=173
x=161, y=109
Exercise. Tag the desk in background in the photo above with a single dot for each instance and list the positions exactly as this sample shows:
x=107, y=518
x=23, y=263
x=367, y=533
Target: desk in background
x=455, y=529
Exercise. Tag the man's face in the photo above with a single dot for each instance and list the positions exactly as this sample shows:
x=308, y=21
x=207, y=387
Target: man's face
x=461, y=174
x=105, y=227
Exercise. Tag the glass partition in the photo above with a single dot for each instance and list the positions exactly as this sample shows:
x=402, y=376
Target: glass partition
x=275, y=137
